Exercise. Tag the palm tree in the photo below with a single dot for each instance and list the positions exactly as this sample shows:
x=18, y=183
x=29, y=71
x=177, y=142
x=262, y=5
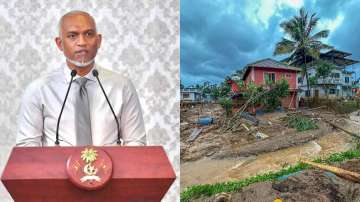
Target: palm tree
x=302, y=44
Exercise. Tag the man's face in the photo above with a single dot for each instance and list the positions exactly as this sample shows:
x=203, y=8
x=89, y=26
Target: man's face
x=79, y=40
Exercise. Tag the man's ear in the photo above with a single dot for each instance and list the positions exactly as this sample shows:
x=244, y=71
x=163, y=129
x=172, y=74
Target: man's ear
x=99, y=40
x=58, y=42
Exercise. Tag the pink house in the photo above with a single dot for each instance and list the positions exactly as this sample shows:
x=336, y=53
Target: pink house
x=271, y=70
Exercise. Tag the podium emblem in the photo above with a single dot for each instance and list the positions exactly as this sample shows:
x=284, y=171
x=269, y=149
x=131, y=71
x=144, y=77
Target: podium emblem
x=90, y=168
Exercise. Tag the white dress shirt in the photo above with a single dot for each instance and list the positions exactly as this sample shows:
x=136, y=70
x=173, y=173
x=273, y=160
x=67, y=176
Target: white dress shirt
x=43, y=98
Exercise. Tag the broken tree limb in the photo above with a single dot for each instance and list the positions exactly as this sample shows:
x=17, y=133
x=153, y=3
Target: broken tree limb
x=349, y=175
x=243, y=125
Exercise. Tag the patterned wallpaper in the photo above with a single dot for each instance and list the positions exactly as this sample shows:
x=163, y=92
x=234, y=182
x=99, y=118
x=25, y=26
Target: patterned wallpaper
x=140, y=40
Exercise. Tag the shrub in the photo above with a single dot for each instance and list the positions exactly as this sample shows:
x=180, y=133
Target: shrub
x=227, y=104
x=301, y=123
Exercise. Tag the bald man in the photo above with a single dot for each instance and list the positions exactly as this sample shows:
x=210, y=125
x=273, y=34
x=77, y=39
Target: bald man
x=87, y=118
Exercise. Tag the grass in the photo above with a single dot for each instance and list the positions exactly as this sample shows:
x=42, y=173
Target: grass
x=301, y=123
x=197, y=191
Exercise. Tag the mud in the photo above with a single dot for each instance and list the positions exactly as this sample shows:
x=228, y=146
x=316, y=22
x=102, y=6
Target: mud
x=209, y=171
x=221, y=156
x=309, y=185
x=274, y=143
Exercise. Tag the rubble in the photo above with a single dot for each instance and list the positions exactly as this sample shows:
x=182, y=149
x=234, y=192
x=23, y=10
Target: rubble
x=245, y=149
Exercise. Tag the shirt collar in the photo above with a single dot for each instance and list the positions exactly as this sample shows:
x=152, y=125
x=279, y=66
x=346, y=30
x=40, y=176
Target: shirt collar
x=67, y=72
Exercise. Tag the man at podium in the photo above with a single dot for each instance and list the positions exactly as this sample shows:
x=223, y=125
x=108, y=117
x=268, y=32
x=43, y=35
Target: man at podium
x=88, y=106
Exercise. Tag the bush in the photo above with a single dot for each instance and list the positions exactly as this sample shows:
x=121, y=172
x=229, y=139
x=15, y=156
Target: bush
x=227, y=105
x=301, y=123
x=271, y=100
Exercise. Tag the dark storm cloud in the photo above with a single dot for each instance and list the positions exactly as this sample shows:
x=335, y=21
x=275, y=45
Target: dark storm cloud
x=213, y=43
x=346, y=37
x=217, y=38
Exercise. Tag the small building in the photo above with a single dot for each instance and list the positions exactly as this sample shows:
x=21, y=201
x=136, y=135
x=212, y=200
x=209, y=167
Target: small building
x=190, y=94
x=270, y=70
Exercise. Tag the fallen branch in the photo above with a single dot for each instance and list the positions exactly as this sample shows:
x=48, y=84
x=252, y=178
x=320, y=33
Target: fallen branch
x=349, y=175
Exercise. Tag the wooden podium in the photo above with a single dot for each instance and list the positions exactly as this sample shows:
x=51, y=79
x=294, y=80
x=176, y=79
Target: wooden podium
x=39, y=174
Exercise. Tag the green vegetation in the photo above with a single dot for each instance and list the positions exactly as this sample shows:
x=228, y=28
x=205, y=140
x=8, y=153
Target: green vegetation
x=227, y=104
x=301, y=42
x=323, y=68
x=197, y=191
x=271, y=100
x=269, y=95
x=301, y=123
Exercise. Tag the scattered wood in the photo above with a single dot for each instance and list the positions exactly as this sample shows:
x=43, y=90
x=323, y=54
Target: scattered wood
x=195, y=133
x=311, y=109
x=243, y=125
x=250, y=118
x=349, y=175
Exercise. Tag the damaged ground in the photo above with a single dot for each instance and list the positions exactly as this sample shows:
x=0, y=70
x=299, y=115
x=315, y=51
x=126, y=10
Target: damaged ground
x=214, y=153
x=303, y=186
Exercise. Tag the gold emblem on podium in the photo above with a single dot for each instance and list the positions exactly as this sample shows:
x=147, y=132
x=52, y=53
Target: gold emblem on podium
x=89, y=156
x=89, y=168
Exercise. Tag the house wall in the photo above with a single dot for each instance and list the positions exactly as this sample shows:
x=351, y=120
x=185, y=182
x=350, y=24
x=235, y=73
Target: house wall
x=290, y=101
x=340, y=86
x=256, y=75
x=260, y=80
x=250, y=76
x=193, y=96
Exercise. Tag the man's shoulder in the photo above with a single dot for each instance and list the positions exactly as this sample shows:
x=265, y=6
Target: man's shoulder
x=44, y=81
x=112, y=77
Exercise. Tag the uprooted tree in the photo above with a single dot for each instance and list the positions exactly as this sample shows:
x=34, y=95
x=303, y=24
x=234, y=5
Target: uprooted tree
x=268, y=97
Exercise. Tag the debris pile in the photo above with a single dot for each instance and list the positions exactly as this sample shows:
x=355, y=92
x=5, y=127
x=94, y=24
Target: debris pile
x=244, y=134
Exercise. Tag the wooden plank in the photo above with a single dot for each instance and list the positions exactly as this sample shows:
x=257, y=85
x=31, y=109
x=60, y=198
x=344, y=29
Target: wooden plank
x=195, y=133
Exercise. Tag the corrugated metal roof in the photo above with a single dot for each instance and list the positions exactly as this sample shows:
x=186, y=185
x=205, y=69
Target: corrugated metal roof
x=268, y=63
x=271, y=63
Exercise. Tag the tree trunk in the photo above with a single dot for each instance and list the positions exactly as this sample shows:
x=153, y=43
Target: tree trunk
x=307, y=94
x=307, y=82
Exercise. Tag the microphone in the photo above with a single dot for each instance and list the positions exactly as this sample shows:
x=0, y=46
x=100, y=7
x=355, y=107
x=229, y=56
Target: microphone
x=73, y=74
x=96, y=74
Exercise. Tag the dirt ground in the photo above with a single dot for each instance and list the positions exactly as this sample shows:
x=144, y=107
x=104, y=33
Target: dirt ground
x=219, y=156
x=304, y=186
x=214, y=142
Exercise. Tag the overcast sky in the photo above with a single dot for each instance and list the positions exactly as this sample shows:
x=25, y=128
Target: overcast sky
x=219, y=37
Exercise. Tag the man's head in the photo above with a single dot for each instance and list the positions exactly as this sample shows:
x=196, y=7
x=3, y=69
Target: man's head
x=78, y=39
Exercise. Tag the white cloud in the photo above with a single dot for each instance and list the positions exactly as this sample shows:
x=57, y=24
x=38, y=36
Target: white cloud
x=330, y=24
x=260, y=12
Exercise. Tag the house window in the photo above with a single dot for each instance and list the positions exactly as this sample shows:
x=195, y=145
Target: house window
x=186, y=95
x=332, y=91
x=285, y=76
x=347, y=79
x=269, y=77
